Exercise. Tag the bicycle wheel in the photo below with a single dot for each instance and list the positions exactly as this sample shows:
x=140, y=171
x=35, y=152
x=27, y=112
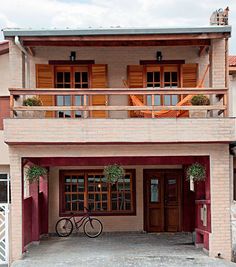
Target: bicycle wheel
x=64, y=227
x=93, y=227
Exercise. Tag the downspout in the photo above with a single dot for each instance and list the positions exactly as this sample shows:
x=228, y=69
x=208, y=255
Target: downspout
x=27, y=60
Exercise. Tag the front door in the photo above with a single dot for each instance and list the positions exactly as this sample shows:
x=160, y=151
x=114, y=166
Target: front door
x=162, y=200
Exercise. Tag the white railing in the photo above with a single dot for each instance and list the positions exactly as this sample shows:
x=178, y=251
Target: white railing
x=4, y=245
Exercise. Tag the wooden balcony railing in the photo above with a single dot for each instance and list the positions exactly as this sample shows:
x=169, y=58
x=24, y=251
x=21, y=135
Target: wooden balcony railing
x=220, y=99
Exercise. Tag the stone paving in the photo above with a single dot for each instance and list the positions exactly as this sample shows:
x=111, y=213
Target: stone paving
x=119, y=250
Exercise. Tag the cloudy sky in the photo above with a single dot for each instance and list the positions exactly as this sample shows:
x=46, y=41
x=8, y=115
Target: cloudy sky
x=112, y=13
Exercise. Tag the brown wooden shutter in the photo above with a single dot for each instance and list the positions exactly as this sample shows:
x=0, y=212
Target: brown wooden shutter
x=189, y=75
x=98, y=80
x=4, y=109
x=135, y=80
x=45, y=79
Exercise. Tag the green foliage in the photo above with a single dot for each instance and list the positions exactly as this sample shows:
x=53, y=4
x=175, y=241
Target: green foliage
x=33, y=173
x=113, y=173
x=197, y=172
x=32, y=101
x=200, y=100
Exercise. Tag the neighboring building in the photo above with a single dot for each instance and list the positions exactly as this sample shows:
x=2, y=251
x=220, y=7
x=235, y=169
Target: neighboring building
x=129, y=104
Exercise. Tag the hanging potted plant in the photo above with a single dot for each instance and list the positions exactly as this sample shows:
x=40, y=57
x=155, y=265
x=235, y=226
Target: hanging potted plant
x=199, y=100
x=33, y=173
x=33, y=102
x=113, y=173
x=195, y=173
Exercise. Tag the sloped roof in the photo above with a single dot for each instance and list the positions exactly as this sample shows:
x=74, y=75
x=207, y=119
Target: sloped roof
x=4, y=47
x=232, y=61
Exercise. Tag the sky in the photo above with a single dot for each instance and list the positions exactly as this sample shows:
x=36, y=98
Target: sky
x=112, y=13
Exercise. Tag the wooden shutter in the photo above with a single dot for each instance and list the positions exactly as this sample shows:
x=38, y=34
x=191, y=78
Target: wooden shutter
x=45, y=79
x=98, y=80
x=4, y=109
x=189, y=75
x=135, y=80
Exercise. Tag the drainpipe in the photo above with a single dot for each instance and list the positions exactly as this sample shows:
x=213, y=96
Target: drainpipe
x=19, y=45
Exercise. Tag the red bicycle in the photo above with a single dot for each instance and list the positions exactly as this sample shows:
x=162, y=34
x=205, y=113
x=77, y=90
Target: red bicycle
x=92, y=227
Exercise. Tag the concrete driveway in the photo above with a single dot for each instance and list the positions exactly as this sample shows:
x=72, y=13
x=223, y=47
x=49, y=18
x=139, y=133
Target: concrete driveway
x=119, y=249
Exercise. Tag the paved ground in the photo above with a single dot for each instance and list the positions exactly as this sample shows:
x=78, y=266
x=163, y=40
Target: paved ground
x=119, y=250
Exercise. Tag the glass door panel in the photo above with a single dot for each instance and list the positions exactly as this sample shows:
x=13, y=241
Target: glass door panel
x=170, y=81
x=162, y=77
x=154, y=190
x=71, y=77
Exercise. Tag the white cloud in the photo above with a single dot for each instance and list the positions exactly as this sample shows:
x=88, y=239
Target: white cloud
x=106, y=13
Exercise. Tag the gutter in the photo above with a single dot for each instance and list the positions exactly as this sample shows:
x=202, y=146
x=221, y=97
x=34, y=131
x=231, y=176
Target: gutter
x=27, y=60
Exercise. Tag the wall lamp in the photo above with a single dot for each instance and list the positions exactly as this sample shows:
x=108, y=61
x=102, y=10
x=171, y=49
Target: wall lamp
x=72, y=56
x=159, y=56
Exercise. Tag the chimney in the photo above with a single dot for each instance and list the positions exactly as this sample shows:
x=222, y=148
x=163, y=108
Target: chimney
x=220, y=17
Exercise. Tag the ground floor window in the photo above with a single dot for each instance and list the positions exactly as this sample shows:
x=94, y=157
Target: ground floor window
x=90, y=189
x=4, y=188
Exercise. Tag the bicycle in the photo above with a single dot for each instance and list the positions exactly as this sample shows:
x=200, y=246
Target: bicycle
x=92, y=227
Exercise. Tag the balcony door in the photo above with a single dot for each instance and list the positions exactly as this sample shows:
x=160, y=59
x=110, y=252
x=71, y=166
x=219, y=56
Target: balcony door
x=71, y=77
x=163, y=76
x=162, y=200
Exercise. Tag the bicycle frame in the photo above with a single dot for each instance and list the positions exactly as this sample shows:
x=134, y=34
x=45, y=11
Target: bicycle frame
x=81, y=221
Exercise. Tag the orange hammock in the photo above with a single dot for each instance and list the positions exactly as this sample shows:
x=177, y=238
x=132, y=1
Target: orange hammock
x=168, y=113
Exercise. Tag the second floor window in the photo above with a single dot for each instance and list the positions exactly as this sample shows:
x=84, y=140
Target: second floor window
x=70, y=77
x=163, y=77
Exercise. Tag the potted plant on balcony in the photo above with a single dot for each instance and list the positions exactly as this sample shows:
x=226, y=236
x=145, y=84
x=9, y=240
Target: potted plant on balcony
x=33, y=102
x=113, y=173
x=33, y=173
x=199, y=100
x=195, y=173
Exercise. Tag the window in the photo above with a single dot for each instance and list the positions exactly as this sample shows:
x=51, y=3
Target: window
x=162, y=77
x=89, y=189
x=71, y=77
x=4, y=188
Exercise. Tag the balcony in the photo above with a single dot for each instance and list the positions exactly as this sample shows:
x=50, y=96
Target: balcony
x=217, y=108
x=150, y=128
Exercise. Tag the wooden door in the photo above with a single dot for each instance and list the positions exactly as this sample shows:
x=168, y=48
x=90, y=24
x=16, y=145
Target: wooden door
x=70, y=77
x=162, y=200
x=154, y=204
x=172, y=201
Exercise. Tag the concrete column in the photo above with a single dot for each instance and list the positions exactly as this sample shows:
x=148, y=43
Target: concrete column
x=16, y=66
x=16, y=237
x=220, y=237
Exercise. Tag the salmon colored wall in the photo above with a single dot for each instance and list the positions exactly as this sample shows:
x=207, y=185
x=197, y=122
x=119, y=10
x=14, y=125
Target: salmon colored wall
x=111, y=223
x=5, y=75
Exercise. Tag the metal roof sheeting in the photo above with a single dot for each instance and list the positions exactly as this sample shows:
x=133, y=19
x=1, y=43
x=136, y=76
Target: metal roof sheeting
x=9, y=32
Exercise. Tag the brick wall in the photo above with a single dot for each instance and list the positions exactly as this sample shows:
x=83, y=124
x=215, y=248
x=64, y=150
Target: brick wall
x=119, y=130
x=220, y=238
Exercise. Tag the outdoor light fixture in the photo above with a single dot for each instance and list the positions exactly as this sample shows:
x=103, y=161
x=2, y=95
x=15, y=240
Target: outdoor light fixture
x=72, y=56
x=159, y=56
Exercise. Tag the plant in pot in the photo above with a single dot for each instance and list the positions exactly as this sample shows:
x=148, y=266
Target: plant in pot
x=33, y=102
x=199, y=100
x=195, y=173
x=113, y=173
x=33, y=173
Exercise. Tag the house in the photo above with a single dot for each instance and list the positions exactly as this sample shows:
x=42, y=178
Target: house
x=118, y=96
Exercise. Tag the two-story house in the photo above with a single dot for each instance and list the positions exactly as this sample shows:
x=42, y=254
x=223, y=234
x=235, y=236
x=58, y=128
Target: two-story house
x=118, y=96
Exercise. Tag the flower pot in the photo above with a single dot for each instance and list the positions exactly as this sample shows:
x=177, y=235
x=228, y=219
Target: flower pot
x=198, y=113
